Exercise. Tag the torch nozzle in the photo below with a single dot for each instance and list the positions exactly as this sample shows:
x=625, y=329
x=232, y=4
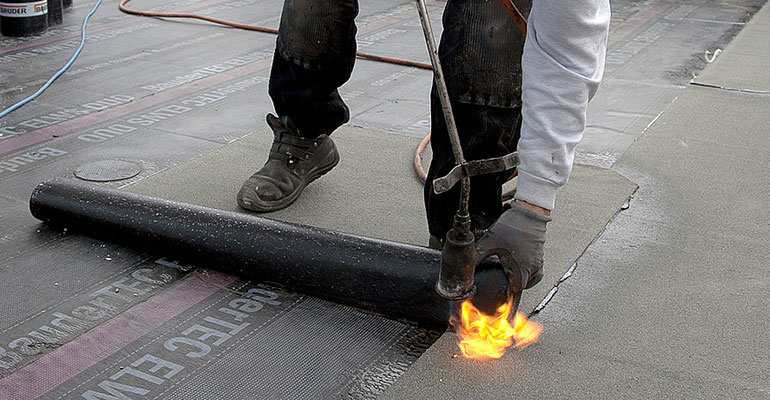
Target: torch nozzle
x=455, y=280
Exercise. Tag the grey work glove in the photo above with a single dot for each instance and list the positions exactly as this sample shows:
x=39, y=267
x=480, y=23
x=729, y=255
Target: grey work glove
x=517, y=239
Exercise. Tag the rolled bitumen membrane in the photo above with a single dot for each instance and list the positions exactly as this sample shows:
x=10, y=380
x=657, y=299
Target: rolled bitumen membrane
x=393, y=279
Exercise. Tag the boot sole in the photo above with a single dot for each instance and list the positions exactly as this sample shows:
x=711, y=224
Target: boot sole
x=248, y=199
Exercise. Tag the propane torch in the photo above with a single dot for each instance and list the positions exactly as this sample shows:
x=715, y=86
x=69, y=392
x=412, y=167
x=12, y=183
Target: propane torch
x=459, y=255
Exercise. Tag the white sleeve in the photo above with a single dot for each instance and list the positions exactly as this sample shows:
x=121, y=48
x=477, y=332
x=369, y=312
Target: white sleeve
x=562, y=65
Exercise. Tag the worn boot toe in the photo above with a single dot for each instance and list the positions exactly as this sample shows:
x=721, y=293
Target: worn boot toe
x=294, y=161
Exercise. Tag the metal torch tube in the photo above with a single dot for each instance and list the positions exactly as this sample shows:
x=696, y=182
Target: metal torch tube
x=446, y=107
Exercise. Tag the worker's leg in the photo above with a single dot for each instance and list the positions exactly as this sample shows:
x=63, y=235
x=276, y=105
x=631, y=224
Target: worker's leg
x=480, y=53
x=309, y=97
x=315, y=52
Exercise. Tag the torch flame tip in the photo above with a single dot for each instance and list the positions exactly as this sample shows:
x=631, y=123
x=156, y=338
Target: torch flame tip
x=482, y=336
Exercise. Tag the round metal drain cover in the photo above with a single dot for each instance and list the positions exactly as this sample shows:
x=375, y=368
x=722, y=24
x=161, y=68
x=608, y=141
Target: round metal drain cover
x=108, y=170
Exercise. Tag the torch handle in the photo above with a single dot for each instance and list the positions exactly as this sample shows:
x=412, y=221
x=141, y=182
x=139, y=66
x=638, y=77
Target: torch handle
x=446, y=107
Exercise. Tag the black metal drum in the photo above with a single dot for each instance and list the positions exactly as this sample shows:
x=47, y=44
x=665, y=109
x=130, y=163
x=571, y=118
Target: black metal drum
x=23, y=18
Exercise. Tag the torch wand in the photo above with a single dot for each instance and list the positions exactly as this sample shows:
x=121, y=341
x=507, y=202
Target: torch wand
x=458, y=256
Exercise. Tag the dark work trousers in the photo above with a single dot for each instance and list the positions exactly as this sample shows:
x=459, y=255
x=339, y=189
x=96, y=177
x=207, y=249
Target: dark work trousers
x=480, y=52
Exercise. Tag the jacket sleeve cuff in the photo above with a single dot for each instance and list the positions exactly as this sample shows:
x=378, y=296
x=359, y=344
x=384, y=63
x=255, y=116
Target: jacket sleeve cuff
x=536, y=190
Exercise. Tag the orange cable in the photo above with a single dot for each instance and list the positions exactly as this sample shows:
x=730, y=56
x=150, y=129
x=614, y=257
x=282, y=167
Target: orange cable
x=366, y=56
x=418, y=168
x=516, y=15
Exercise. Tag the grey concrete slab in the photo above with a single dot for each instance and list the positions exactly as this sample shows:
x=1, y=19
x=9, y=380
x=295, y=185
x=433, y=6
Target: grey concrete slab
x=371, y=187
x=743, y=65
x=374, y=185
x=671, y=300
x=377, y=92
x=620, y=112
x=655, y=47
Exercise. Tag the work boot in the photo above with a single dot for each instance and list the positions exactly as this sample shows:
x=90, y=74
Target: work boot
x=293, y=163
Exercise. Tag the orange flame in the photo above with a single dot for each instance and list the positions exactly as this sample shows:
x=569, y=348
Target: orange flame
x=482, y=336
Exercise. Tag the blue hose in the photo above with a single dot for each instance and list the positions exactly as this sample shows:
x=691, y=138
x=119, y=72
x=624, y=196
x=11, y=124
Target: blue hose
x=61, y=71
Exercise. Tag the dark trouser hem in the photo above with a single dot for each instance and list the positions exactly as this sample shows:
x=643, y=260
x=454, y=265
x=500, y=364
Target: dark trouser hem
x=309, y=96
x=315, y=52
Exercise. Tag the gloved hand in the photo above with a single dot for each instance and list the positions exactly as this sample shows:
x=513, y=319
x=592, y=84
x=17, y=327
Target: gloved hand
x=517, y=239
